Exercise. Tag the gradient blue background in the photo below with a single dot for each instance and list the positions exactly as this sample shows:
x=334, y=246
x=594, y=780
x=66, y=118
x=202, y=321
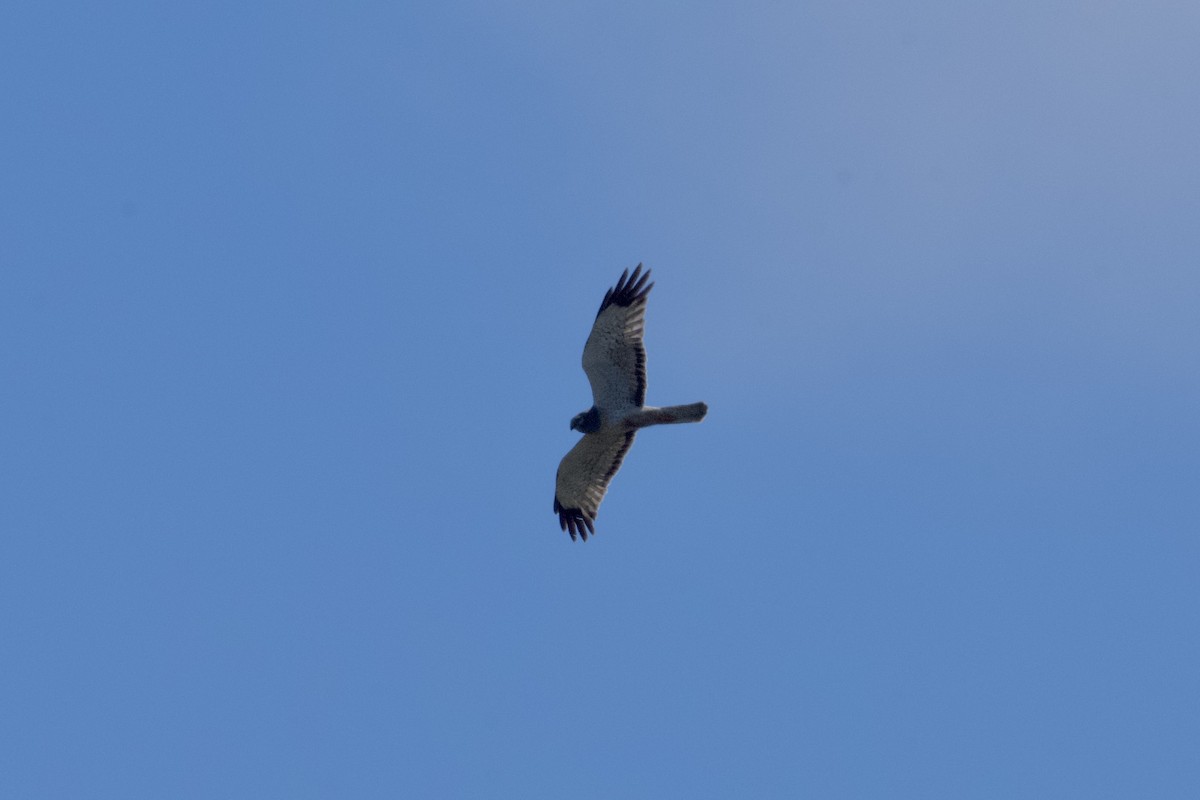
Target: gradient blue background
x=292, y=299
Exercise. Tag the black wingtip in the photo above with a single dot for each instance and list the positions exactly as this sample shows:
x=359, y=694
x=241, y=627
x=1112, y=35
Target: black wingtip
x=573, y=521
x=629, y=289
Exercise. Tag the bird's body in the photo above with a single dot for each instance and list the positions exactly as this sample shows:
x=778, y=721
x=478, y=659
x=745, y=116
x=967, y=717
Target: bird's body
x=614, y=359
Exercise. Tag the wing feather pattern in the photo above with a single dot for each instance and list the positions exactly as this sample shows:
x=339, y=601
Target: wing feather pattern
x=583, y=477
x=614, y=357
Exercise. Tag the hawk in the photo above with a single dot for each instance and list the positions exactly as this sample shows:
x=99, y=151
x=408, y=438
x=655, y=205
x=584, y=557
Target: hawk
x=615, y=362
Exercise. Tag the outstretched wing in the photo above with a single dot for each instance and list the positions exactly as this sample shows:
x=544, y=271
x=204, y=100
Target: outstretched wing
x=614, y=358
x=583, y=477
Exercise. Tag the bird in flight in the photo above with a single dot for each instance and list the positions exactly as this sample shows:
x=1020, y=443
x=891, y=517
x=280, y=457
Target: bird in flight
x=615, y=362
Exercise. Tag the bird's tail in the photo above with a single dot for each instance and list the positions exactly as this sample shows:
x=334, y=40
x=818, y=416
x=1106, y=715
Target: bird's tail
x=667, y=415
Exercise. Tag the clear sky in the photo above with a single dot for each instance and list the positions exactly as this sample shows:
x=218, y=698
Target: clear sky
x=292, y=300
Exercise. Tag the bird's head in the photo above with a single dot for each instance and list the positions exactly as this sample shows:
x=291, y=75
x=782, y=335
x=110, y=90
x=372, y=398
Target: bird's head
x=586, y=422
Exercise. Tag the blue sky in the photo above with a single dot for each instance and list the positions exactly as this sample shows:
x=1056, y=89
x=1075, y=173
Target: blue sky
x=292, y=301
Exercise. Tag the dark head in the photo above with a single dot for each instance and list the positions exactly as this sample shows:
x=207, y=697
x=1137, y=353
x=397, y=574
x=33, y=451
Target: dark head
x=587, y=422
